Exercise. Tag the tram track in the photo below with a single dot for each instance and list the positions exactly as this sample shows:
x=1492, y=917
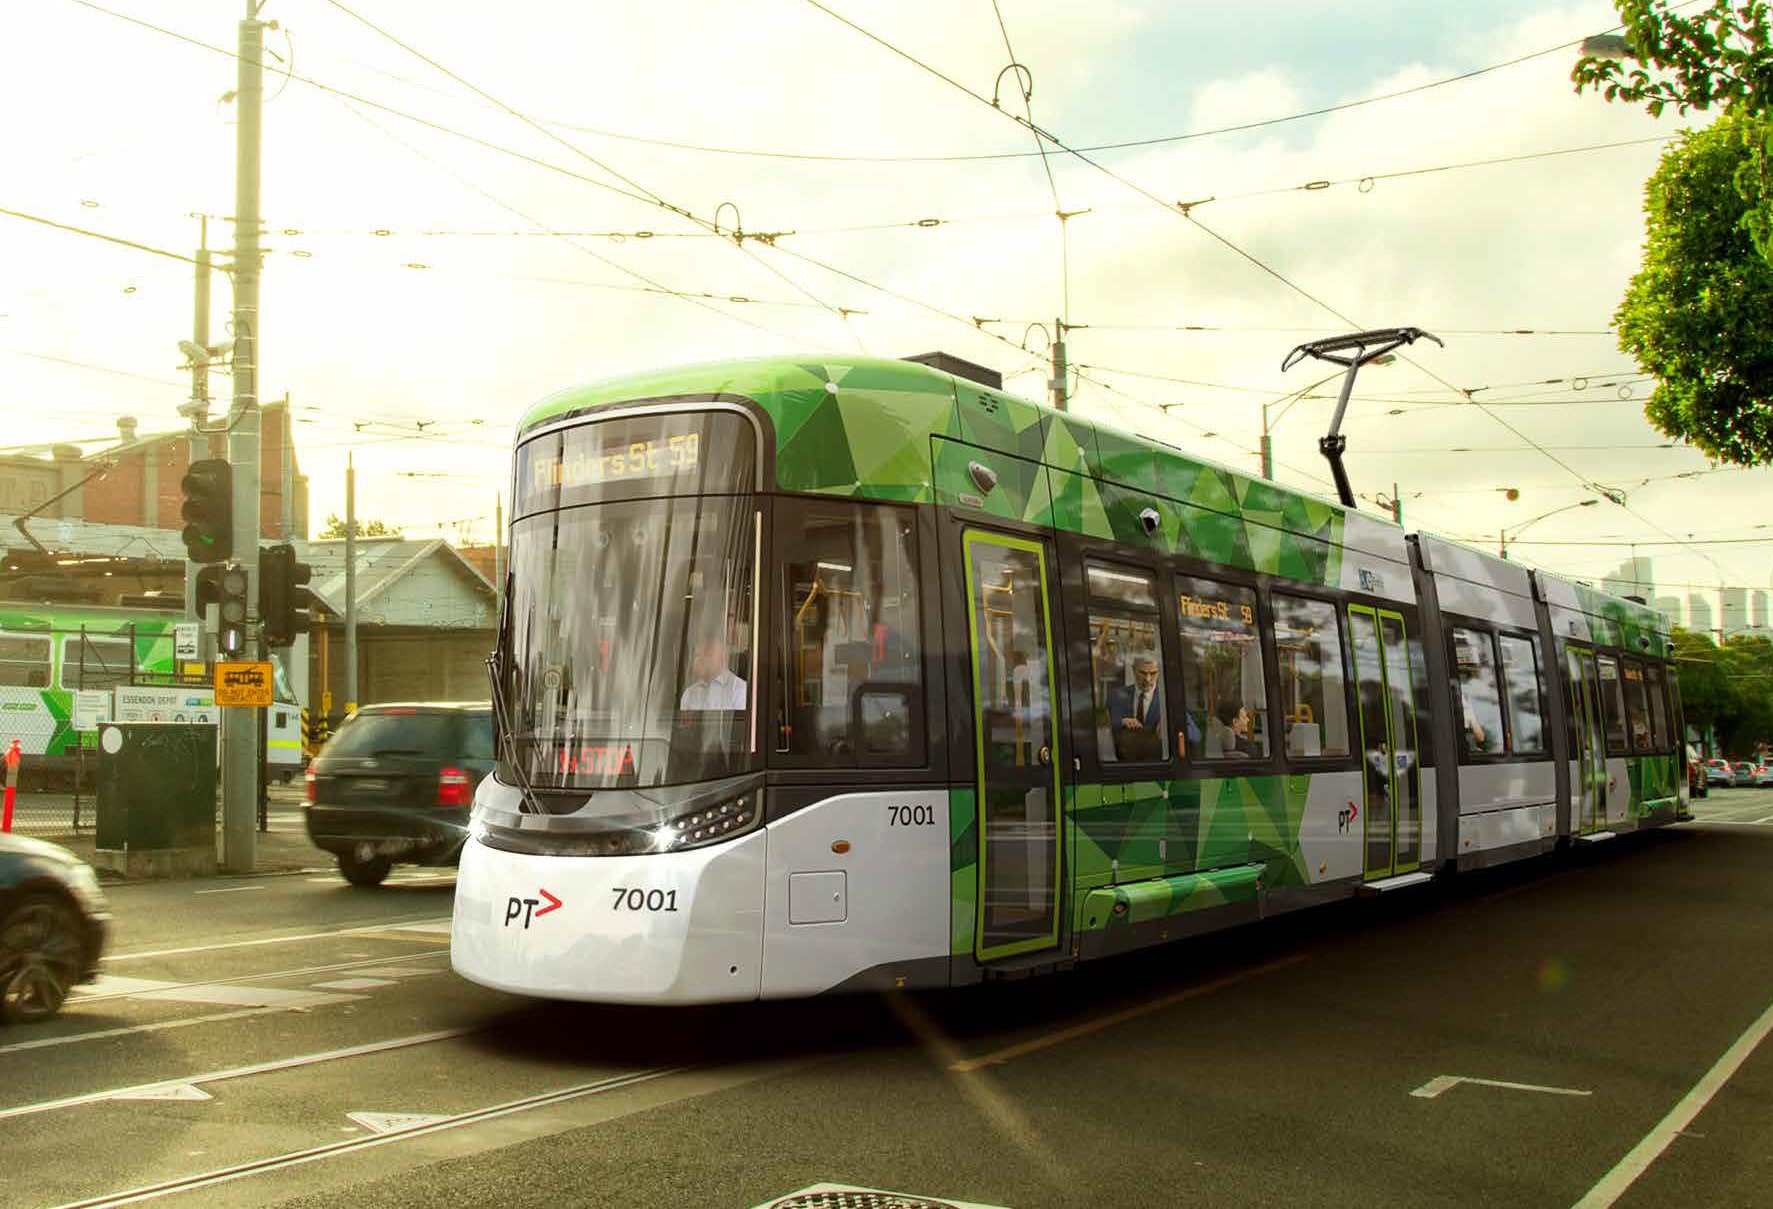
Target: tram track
x=253, y=1167
x=168, y=989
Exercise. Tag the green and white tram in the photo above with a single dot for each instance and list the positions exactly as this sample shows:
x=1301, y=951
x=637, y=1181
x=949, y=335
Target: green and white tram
x=848, y=674
x=49, y=652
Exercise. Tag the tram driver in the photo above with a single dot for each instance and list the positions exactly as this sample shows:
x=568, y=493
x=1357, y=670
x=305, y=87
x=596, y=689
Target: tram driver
x=715, y=687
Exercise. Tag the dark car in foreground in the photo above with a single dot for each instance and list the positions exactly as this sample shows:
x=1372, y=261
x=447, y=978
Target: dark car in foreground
x=394, y=784
x=53, y=921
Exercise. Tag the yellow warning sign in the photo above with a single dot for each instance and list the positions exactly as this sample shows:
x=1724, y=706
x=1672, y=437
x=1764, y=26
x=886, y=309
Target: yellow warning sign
x=242, y=684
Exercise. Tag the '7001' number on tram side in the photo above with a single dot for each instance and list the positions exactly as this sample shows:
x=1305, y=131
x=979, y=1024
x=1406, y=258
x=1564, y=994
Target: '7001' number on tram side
x=911, y=816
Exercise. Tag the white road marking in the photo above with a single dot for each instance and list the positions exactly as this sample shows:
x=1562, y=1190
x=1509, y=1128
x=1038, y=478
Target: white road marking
x=168, y=1091
x=352, y=1145
x=425, y=925
x=816, y=1190
x=184, y=1022
x=263, y=976
x=354, y=984
x=1441, y=1083
x=1613, y=1185
x=397, y=972
x=238, y=995
x=392, y=1122
x=229, y=890
x=1768, y=819
x=112, y=986
x=238, y=1072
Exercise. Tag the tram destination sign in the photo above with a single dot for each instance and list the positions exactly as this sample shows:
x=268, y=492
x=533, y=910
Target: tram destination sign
x=242, y=684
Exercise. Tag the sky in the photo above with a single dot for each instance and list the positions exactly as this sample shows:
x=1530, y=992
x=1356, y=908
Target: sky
x=467, y=208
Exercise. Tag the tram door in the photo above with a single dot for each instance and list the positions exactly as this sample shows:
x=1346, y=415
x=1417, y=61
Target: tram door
x=1588, y=806
x=1389, y=765
x=1009, y=616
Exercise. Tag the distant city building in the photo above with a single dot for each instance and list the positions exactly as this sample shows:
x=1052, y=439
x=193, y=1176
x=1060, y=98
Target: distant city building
x=1733, y=610
x=1699, y=614
x=1632, y=578
x=1668, y=606
x=1757, y=609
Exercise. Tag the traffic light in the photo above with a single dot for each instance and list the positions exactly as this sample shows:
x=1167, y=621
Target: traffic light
x=284, y=603
x=208, y=511
x=231, y=609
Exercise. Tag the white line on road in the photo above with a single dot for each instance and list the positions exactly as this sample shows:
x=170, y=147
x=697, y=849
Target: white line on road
x=1613, y=1185
x=214, y=1018
x=139, y=988
x=1441, y=1083
x=294, y=1158
x=422, y=924
x=238, y=1072
x=1768, y=819
x=230, y=890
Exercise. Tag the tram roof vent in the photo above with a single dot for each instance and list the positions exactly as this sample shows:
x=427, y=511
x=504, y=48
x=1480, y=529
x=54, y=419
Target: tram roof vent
x=948, y=363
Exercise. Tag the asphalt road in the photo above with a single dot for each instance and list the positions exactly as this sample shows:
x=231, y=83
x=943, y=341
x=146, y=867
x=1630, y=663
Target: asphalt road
x=291, y=1040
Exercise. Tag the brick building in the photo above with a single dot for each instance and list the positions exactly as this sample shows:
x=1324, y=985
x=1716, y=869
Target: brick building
x=136, y=481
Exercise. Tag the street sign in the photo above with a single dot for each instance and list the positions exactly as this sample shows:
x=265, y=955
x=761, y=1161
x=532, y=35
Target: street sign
x=160, y=703
x=187, y=641
x=92, y=706
x=242, y=684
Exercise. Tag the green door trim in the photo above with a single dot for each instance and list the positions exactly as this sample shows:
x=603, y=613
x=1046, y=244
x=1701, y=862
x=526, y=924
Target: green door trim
x=1392, y=867
x=1591, y=764
x=1391, y=728
x=970, y=538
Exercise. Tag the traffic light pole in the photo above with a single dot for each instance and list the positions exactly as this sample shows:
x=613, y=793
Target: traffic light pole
x=240, y=727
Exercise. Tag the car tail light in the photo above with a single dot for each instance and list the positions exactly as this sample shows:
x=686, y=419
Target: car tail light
x=454, y=788
x=308, y=782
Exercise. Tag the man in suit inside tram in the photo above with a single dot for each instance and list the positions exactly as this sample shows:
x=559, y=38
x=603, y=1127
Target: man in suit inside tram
x=1136, y=713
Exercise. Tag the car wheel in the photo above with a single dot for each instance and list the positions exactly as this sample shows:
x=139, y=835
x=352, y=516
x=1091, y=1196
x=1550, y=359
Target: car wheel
x=40, y=951
x=365, y=871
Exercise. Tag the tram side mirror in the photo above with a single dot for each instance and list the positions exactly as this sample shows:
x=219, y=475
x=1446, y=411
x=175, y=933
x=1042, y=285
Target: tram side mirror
x=1149, y=520
x=983, y=476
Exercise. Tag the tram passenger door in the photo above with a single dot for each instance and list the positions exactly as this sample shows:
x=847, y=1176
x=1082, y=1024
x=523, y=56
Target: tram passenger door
x=1390, y=765
x=1588, y=807
x=1010, y=619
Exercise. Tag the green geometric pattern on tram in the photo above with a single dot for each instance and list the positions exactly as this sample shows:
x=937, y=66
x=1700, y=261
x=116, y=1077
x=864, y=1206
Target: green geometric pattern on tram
x=889, y=440
x=963, y=866
x=1652, y=779
x=1169, y=897
x=60, y=704
x=1125, y=459
x=1079, y=505
x=993, y=420
x=815, y=456
x=1070, y=444
x=1021, y=492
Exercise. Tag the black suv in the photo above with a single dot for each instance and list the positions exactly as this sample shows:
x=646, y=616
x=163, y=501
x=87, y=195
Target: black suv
x=395, y=784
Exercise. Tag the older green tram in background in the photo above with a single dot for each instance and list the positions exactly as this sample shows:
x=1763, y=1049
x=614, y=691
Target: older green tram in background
x=49, y=652
x=839, y=674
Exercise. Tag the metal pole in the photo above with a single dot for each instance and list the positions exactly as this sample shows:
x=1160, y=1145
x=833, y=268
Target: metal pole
x=1059, y=367
x=350, y=585
x=199, y=440
x=240, y=727
x=1397, y=506
x=1267, y=447
x=499, y=544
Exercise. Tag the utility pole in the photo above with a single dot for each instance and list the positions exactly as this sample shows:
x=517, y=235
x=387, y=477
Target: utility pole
x=499, y=544
x=197, y=410
x=240, y=727
x=1397, y=507
x=350, y=585
x=1060, y=370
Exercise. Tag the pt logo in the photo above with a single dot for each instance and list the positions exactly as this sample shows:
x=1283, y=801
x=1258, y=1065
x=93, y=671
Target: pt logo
x=1344, y=820
x=526, y=907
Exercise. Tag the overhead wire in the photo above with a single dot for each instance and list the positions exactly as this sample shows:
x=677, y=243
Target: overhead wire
x=652, y=196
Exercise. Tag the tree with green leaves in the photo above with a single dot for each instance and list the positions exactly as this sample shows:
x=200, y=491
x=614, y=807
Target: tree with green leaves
x=1722, y=55
x=1699, y=313
x=335, y=527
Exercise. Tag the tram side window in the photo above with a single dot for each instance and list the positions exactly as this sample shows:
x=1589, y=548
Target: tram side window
x=1224, y=681
x=852, y=663
x=1520, y=678
x=1659, y=731
x=1126, y=666
x=1480, y=699
x=1637, y=707
x=89, y=662
x=1612, y=703
x=1308, y=646
x=24, y=661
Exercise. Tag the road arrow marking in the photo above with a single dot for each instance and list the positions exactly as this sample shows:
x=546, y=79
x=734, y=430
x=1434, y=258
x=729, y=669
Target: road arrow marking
x=393, y=1122
x=553, y=903
x=1441, y=1083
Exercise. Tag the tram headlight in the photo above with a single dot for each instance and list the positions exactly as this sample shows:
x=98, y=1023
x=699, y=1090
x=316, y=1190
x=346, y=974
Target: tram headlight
x=708, y=824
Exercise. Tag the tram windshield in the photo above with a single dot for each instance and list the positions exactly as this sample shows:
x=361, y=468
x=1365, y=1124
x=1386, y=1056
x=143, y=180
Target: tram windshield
x=628, y=627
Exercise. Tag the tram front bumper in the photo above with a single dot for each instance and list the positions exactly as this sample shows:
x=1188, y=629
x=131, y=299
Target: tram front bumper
x=681, y=927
